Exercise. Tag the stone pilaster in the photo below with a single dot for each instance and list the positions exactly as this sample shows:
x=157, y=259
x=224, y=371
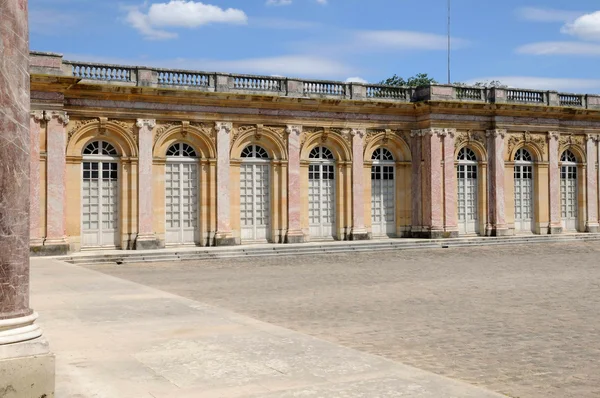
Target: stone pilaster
x=554, y=178
x=26, y=366
x=450, y=185
x=224, y=236
x=591, y=223
x=359, y=230
x=294, y=233
x=36, y=236
x=416, y=184
x=146, y=238
x=496, y=206
x=56, y=164
x=433, y=182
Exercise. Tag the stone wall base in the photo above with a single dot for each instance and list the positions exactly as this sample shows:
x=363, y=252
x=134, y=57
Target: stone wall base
x=55, y=249
x=147, y=243
x=593, y=229
x=501, y=232
x=360, y=236
x=555, y=230
x=295, y=239
x=434, y=234
x=27, y=369
x=226, y=241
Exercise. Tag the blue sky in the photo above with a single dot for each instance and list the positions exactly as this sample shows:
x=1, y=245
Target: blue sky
x=548, y=44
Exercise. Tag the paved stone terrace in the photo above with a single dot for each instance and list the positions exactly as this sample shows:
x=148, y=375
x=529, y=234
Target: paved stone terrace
x=523, y=321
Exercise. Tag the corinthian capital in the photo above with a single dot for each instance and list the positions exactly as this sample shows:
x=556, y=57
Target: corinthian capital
x=223, y=126
x=37, y=116
x=359, y=132
x=496, y=133
x=553, y=135
x=294, y=129
x=149, y=123
x=61, y=116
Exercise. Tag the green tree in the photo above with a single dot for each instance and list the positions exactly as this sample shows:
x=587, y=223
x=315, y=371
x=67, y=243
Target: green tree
x=420, y=79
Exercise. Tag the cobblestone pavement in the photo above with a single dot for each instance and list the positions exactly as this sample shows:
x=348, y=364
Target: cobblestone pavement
x=523, y=321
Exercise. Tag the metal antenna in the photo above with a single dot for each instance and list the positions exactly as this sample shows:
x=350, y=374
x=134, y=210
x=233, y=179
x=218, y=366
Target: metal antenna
x=449, y=44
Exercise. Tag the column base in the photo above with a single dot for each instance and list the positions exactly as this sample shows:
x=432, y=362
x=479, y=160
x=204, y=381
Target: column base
x=27, y=369
x=451, y=233
x=295, y=237
x=431, y=234
x=501, y=232
x=226, y=239
x=592, y=228
x=555, y=230
x=147, y=242
x=360, y=234
x=50, y=247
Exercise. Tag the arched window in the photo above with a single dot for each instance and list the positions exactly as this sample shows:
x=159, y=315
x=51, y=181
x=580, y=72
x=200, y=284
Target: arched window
x=523, y=155
x=467, y=154
x=100, y=148
x=321, y=153
x=255, y=152
x=181, y=150
x=382, y=154
x=568, y=157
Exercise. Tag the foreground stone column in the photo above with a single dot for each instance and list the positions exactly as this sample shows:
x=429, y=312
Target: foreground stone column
x=554, y=178
x=56, y=236
x=496, y=183
x=26, y=367
x=450, y=186
x=294, y=232
x=433, y=180
x=146, y=238
x=224, y=236
x=416, y=184
x=591, y=224
x=359, y=230
x=36, y=238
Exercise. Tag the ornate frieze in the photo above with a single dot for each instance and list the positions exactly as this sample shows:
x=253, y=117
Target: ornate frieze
x=465, y=137
x=184, y=128
x=517, y=139
x=78, y=126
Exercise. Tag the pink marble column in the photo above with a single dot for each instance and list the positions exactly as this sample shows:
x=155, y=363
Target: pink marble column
x=359, y=231
x=224, y=236
x=294, y=232
x=146, y=238
x=18, y=333
x=56, y=181
x=496, y=182
x=554, y=177
x=416, y=184
x=433, y=182
x=36, y=238
x=450, y=188
x=591, y=224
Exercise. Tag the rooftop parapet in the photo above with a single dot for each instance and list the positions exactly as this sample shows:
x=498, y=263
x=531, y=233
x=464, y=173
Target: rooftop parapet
x=141, y=76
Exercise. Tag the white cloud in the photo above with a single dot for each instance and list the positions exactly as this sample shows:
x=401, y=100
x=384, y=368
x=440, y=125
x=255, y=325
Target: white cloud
x=585, y=27
x=546, y=14
x=356, y=80
x=405, y=40
x=180, y=13
x=279, y=2
x=560, y=48
x=544, y=83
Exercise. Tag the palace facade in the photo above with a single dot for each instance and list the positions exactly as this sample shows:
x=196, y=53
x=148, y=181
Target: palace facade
x=137, y=158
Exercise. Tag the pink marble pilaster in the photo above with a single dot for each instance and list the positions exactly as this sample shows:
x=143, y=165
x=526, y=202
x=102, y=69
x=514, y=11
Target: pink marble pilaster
x=146, y=238
x=359, y=231
x=416, y=184
x=56, y=177
x=224, y=235
x=554, y=180
x=591, y=224
x=432, y=198
x=294, y=232
x=35, y=120
x=450, y=187
x=496, y=181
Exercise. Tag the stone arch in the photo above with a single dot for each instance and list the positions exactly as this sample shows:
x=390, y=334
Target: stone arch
x=535, y=151
x=576, y=149
x=196, y=137
x=119, y=136
x=393, y=143
x=341, y=149
x=270, y=138
x=476, y=146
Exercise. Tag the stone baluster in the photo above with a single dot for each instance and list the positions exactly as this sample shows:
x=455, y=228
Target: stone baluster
x=359, y=230
x=554, y=178
x=56, y=241
x=26, y=366
x=36, y=238
x=433, y=179
x=294, y=232
x=224, y=235
x=591, y=224
x=496, y=182
x=450, y=188
x=146, y=238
